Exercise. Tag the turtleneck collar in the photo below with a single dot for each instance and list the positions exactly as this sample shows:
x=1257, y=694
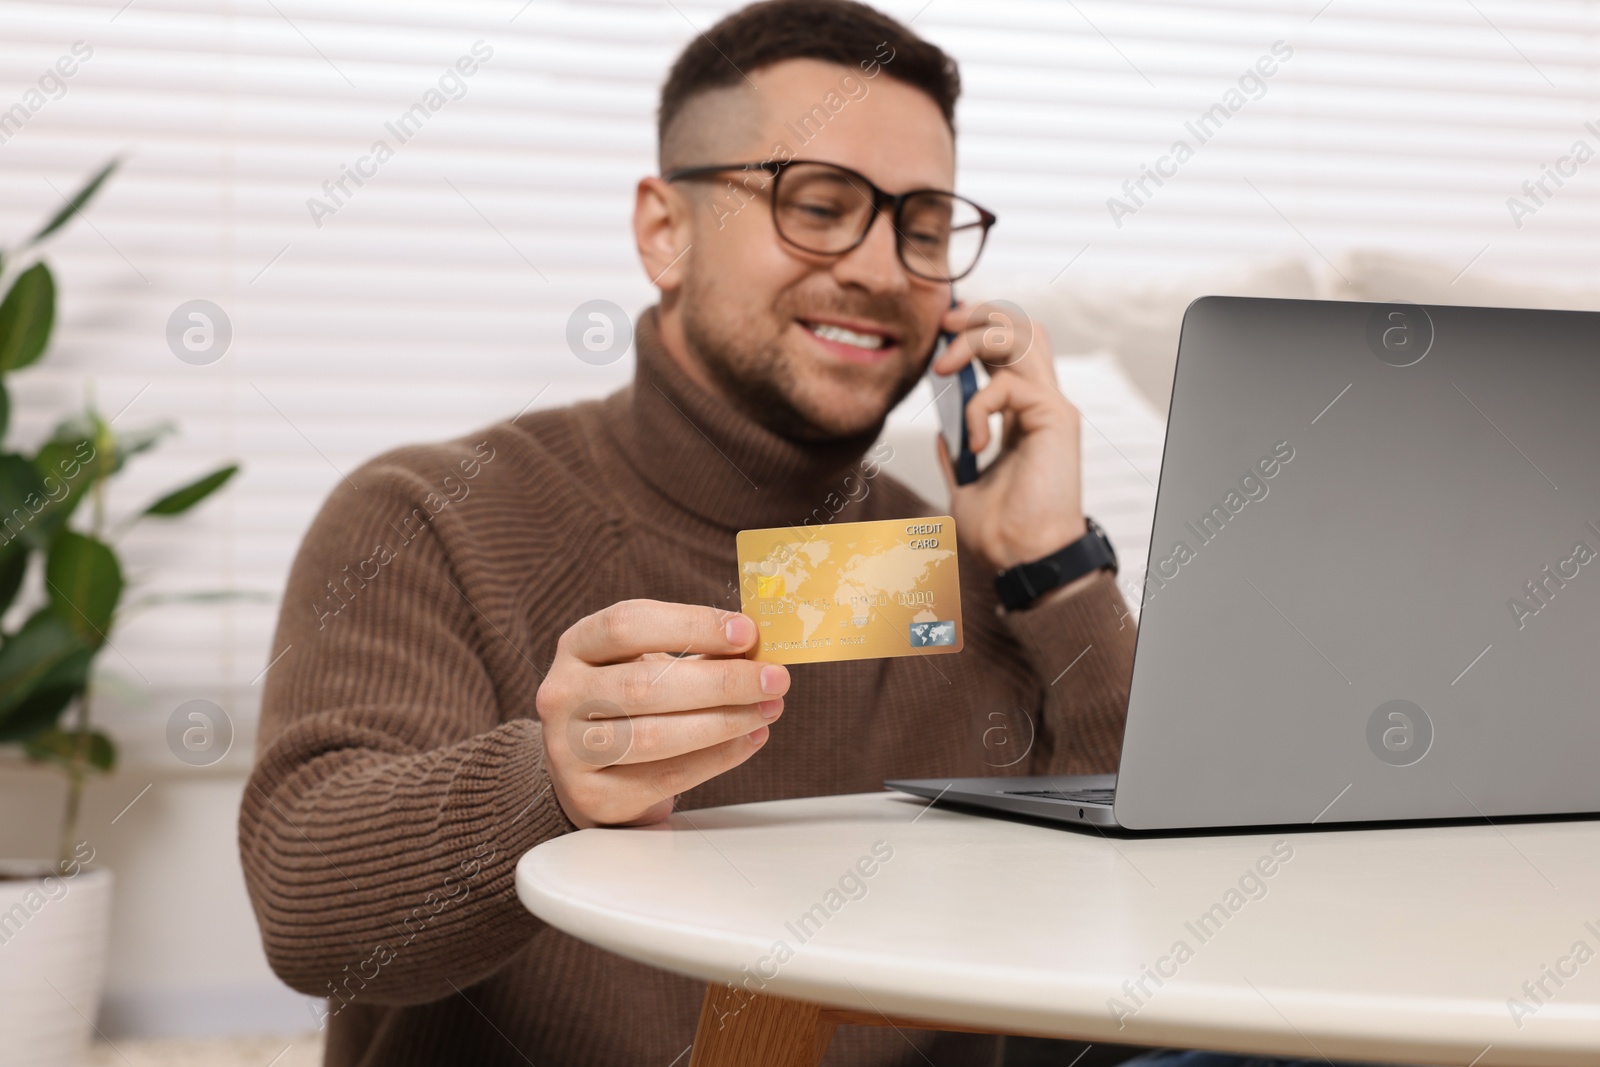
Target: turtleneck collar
x=706, y=457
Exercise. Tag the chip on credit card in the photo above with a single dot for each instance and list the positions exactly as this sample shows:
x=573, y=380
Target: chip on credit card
x=852, y=590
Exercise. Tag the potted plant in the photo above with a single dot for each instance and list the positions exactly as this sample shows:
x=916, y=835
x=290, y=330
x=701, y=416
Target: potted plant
x=61, y=587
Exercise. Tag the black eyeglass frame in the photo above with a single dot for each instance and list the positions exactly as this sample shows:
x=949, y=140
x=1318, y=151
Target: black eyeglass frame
x=881, y=199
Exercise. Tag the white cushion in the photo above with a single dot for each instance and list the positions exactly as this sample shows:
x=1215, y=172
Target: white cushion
x=1373, y=274
x=1139, y=320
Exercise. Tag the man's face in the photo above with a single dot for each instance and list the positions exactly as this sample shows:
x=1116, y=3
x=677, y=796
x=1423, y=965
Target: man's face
x=814, y=347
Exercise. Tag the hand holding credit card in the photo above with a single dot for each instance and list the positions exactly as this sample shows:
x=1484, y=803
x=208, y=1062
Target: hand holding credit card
x=852, y=590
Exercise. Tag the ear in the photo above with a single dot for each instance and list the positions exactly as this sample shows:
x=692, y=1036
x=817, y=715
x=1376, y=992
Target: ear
x=662, y=232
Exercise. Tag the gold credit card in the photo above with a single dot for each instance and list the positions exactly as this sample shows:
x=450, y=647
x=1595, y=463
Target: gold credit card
x=852, y=590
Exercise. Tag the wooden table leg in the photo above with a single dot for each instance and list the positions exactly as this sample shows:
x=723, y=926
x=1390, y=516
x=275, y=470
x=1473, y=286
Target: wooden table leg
x=739, y=1029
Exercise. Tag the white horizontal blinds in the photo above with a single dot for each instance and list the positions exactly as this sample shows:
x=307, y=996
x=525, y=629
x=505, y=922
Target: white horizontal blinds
x=424, y=305
x=434, y=298
x=1395, y=125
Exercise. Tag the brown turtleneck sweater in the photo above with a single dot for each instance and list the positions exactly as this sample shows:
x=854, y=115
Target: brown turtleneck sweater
x=399, y=771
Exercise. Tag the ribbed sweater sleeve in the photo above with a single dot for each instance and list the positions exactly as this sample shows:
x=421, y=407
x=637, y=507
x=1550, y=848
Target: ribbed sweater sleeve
x=1081, y=649
x=398, y=777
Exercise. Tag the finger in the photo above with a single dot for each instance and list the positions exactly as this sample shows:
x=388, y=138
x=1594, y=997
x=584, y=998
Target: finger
x=997, y=335
x=661, y=737
x=1034, y=407
x=653, y=687
x=632, y=628
x=997, y=357
x=952, y=323
x=635, y=786
x=946, y=468
x=956, y=354
x=955, y=318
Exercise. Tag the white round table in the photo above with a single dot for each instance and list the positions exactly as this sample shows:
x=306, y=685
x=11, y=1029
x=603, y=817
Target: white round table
x=1463, y=944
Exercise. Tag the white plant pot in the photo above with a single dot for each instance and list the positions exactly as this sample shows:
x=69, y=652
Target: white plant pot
x=54, y=936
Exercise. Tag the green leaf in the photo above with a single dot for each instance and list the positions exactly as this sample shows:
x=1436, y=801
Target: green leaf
x=61, y=748
x=108, y=450
x=102, y=752
x=180, y=500
x=23, y=501
x=84, y=581
x=71, y=207
x=26, y=315
x=5, y=410
x=56, y=688
x=43, y=643
x=66, y=467
x=13, y=566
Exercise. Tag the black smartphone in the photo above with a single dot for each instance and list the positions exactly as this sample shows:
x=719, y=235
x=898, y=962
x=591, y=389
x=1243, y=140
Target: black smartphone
x=951, y=393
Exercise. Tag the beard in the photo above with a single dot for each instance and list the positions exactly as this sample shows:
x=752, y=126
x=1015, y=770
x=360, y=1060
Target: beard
x=753, y=360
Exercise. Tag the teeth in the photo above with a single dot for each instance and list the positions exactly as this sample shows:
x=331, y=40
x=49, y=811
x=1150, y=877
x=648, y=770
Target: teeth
x=830, y=332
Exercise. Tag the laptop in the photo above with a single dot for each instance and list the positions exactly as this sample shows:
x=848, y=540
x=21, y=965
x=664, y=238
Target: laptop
x=1373, y=589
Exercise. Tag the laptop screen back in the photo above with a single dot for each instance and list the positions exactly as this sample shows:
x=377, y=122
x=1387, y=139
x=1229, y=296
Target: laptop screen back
x=1374, y=581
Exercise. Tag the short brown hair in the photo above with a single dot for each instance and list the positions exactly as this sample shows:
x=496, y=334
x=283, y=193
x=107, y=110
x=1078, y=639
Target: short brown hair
x=834, y=31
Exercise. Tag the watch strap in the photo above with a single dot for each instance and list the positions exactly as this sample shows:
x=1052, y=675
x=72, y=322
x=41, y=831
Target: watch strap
x=1021, y=585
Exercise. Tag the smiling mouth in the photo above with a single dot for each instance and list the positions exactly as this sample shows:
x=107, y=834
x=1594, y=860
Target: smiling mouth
x=844, y=338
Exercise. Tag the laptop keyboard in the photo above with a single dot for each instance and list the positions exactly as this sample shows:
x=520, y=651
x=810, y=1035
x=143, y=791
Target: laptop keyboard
x=1069, y=796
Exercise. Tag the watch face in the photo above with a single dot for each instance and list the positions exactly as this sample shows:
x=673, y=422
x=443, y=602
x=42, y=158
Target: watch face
x=1111, y=550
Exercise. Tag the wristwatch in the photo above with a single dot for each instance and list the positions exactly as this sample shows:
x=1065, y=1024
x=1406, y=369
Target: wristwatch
x=1021, y=585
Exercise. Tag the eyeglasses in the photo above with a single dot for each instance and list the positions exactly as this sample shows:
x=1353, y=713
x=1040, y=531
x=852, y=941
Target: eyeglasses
x=826, y=210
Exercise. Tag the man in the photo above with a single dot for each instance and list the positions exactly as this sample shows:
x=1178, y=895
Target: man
x=451, y=623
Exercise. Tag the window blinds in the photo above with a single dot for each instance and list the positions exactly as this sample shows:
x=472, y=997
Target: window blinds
x=414, y=291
